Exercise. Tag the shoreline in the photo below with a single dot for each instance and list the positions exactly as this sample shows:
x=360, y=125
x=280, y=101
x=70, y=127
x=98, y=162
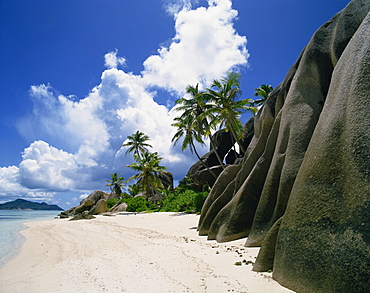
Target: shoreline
x=155, y=252
x=11, y=224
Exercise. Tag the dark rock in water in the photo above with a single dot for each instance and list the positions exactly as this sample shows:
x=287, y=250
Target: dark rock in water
x=302, y=190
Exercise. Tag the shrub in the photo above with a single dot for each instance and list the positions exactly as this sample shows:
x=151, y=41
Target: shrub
x=180, y=200
x=139, y=204
x=188, y=201
x=112, y=201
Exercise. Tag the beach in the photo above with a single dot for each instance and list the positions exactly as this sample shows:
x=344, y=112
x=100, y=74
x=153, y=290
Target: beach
x=153, y=252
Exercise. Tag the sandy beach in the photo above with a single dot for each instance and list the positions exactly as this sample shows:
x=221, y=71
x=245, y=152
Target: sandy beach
x=158, y=252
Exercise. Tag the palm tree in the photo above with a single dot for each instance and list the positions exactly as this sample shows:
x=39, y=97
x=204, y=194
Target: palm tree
x=185, y=129
x=137, y=143
x=194, y=118
x=116, y=183
x=227, y=109
x=134, y=189
x=263, y=91
x=148, y=168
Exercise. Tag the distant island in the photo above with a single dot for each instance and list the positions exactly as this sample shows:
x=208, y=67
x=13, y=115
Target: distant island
x=21, y=204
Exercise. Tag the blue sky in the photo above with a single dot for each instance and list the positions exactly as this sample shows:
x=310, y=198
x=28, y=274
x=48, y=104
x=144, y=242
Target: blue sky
x=78, y=76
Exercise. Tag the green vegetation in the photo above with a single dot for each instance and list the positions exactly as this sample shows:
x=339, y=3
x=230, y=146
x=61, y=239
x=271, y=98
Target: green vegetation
x=21, y=204
x=136, y=143
x=226, y=110
x=263, y=91
x=193, y=123
x=116, y=183
x=219, y=106
x=188, y=201
x=148, y=168
x=139, y=204
x=181, y=199
x=202, y=112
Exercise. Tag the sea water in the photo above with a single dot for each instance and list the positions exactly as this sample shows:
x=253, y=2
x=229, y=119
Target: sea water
x=11, y=223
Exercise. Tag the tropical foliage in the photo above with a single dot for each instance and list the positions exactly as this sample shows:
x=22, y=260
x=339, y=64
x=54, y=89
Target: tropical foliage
x=193, y=108
x=116, y=183
x=149, y=169
x=185, y=128
x=202, y=112
x=227, y=109
x=137, y=143
x=263, y=91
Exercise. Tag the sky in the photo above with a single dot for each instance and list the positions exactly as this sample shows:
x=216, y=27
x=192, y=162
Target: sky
x=78, y=76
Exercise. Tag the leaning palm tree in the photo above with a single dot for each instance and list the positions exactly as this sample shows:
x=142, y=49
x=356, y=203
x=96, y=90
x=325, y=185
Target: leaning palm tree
x=263, y=91
x=136, y=143
x=193, y=111
x=148, y=167
x=186, y=130
x=227, y=109
x=116, y=183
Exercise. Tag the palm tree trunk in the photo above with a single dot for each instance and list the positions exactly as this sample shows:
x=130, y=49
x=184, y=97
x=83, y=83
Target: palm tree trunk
x=217, y=154
x=213, y=145
x=200, y=159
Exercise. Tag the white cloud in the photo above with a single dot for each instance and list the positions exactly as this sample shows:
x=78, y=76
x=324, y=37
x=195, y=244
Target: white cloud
x=92, y=130
x=44, y=166
x=83, y=196
x=205, y=46
x=76, y=143
x=112, y=61
x=11, y=187
x=9, y=180
x=175, y=6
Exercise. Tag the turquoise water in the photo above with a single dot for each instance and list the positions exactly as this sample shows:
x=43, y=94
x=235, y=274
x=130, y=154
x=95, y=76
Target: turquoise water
x=11, y=222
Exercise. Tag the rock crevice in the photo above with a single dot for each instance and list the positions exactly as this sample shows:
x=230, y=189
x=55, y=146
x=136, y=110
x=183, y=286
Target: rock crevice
x=302, y=191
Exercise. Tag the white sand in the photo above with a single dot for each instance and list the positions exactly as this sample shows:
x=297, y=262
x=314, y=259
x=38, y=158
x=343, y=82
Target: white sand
x=158, y=252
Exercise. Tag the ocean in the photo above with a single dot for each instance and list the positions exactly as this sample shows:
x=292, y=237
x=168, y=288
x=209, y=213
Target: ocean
x=11, y=223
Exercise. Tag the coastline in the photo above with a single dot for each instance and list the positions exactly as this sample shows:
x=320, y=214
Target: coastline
x=157, y=252
x=12, y=222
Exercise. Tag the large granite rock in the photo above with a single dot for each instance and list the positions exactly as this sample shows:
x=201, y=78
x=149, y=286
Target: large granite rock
x=323, y=243
x=221, y=138
x=166, y=179
x=303, y=190
x=223, y=143
x=94, y=204
x=119, y=207
x=200, y=174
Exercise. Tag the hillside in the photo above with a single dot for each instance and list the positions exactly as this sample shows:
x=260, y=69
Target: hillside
x=21, y=204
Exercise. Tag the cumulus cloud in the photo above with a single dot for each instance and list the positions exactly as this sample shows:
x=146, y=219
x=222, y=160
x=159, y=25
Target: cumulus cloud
x=205, y=46
x=11, y=187
x=112, y=61
x=89, y=133
x=76, y=143
x=44, y=166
